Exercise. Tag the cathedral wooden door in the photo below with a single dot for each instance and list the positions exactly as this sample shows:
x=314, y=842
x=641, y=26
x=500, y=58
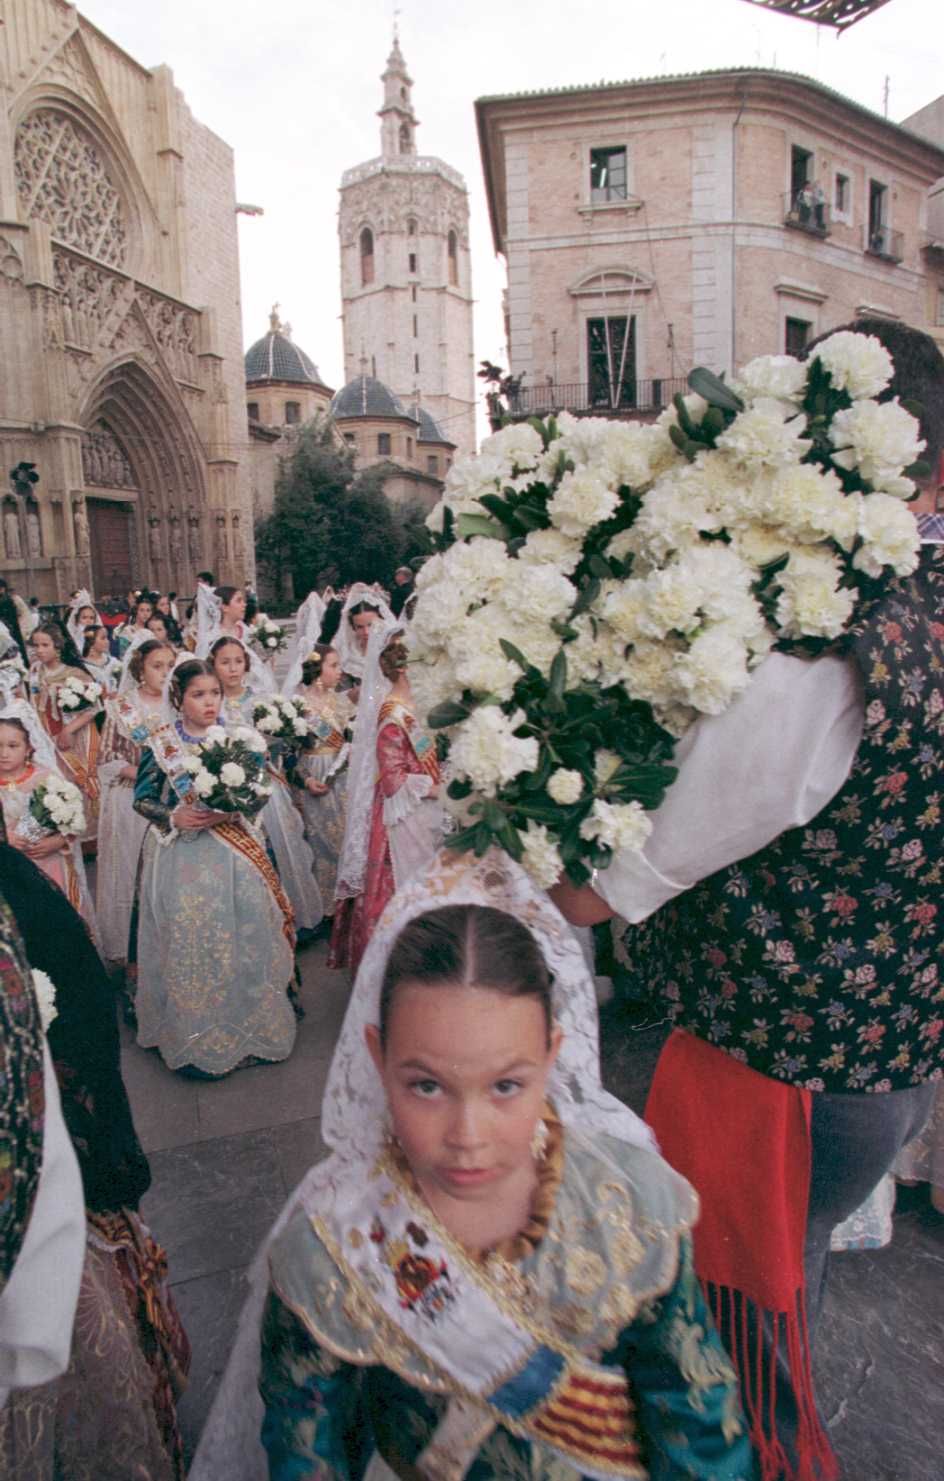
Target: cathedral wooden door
x=110, y=538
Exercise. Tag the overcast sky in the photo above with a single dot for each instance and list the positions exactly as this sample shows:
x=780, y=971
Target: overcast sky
x=293, y=86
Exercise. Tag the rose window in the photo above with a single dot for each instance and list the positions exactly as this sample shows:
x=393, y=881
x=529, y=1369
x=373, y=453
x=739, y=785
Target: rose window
x=63, y=180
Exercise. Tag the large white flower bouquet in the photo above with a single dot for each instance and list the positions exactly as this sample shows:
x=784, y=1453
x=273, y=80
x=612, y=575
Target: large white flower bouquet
x=599, y=584
x=267, y=636
x=76, y=695
x=280, y=719
x=55, y=806
x=228, y=771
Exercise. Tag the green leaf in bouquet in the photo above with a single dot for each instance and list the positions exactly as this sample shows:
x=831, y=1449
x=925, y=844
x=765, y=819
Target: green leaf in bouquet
x=557, y=682
x=464, y=839
x=531, y=518
x=483, y=839
x=563, y=629
x=919, y=471
x=499, y=507
x=685, y=427
x=468, y=525
x=684, y=444
x=516, y=656
x=712, y=423
x=510, y=839
x=713, y=389
x=450, y=712
x=587, y=597
x=458, y=789
x=541, y=812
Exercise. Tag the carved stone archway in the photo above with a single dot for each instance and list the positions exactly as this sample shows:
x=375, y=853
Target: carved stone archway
x=140, y=450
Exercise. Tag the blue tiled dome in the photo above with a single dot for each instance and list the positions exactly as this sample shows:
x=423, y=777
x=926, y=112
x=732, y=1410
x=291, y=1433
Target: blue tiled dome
x=365, y=396
x=275, y=358
x=430, y=430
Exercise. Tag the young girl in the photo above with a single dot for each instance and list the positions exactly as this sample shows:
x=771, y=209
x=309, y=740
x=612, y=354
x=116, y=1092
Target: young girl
x=214, y=937
x=76, y=739
x=280, y=819
x=137, y=623
x=394, y=780
x=27, y=758
x=82, y=614
x=318, y=773
x=220, y=613
x=491, y=1275
x=96, y=655
x=120, y=829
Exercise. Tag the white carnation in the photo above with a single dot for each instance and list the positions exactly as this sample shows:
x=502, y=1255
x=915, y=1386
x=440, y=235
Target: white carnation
x=619, y=825
x=193, y=764
x=811, y=602
x=550, y=548
x=300, y=726
x=581, y=501
x=565, y=786
x=517, y=446
x=626, y=453
x=215, y=735
x=541, y=858
x=268, y=723
x=779, y=376
x=537, y=594
x=485, y=750
x=808, y=503
x=478, y=568
x=857, y=363
x=766, y=435
x=713, y=670
x=232, y=774
x=878, y=439
x=889, y=533
x=272, y=642
x=204, y=783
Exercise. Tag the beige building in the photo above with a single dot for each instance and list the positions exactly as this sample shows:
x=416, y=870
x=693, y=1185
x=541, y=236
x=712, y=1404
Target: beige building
x=406, y=282
x=284, y=390
x=120, y=319
x=405, y=441
x=651, y=226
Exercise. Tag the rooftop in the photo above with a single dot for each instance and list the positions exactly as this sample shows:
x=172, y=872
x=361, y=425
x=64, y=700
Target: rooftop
x=365, y=396
x=275, y=357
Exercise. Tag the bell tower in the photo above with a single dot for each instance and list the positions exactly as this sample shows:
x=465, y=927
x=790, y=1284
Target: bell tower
x=406, y=282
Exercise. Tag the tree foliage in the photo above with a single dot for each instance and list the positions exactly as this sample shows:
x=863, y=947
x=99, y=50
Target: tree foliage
x=331, y=523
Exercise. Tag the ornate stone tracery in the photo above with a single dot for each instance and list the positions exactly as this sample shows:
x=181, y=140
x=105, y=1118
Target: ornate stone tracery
x=63, y=179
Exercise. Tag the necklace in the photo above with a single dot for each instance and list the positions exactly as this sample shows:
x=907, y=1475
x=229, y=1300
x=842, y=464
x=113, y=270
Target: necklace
x=16, y=781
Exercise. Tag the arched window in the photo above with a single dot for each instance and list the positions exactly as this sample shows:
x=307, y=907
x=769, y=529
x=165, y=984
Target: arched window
x=452, y=247
x=367, y=256
x=406, y=139
x=411, y=227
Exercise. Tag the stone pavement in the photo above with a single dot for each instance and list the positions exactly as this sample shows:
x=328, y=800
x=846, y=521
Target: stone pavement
x=225, y=1155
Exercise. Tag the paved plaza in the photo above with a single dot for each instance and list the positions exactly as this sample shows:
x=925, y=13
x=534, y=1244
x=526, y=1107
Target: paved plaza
x=224, y=1156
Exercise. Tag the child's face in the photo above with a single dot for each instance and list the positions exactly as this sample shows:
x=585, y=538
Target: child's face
x=464, y=1071
x=14, y=750
x=230, y=666
x=200, y=706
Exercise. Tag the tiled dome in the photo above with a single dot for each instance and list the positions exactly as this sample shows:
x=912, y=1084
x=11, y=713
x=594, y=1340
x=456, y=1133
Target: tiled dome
x=430, y=430
x=365, y=396
x=275, y=358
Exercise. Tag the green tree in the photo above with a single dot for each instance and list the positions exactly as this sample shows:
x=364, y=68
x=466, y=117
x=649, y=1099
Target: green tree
x=331, y=523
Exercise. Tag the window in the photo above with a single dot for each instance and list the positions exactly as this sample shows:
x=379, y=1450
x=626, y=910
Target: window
x=432, y=464
x=843, y=194
x=350, y=439
x=406, y=139
x=878, y=210
x=409, y=447
x=416, y=364
x=796, y=337
x=367, y=256
x=412, y=262
x=253, y=410
x=411, y=227
x=452, y=248
x=607, y=174
x=413, y=292
x=801, y=170
x=415, y=326
x=293, y=413
x=383, y=443
x=611, y=361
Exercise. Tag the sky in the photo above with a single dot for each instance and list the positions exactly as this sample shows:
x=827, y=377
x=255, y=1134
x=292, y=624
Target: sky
x=293, y=86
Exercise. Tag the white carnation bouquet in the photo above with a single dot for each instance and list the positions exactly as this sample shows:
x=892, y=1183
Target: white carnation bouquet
x=267, y=636
x=280, y=719
x=599, y=584
x=76, y=695
x=55, y=806
x=228, y=771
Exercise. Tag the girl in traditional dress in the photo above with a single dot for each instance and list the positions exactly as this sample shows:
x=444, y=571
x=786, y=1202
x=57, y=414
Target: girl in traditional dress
x=82, y=614
x=76, y=739
x=393, y=788
x=491, y=1274
x=137, y=623
x=364, y=606
x=27, y=758
x=318, y=771
x=280, y=818
x=138, y=704
x=96, y=656
x=220, y=613
x=112, y=1413
x=214, y=940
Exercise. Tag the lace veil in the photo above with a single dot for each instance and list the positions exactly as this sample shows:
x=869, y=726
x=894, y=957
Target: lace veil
x=362, y=767
x=209, y=618
x=307, y=632
x=353, y=661
x=353, y=1111
x=74, y=627
x=44, y=752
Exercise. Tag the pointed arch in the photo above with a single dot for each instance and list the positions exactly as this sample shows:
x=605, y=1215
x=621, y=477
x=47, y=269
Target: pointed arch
x=366, y=248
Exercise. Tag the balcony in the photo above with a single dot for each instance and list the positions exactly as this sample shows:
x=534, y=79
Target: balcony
x=881, y=241
x=633, y=398
x=803, y=211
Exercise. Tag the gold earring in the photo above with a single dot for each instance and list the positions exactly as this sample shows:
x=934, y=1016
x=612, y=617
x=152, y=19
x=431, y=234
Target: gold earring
x=539, y=1142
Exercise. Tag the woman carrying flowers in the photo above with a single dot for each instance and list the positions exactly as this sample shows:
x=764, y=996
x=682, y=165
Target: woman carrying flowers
x=42, y=810
x=67, y=708
x=230, y=660
x=318, y=770
x=214, y=934
x=138, y=704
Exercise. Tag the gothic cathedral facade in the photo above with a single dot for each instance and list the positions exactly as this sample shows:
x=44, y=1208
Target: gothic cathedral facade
x=406, y=281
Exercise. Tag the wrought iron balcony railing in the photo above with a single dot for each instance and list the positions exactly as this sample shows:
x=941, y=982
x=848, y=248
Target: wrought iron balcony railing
x=881, y=241
x=807, y=211
x=593, y=399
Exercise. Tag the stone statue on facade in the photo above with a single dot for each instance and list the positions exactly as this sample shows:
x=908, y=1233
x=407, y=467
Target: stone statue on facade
x=34, y=533
x=81, y=528
x=154, y=537
x=176, y=538
x=11, y=533
x=194, y=535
